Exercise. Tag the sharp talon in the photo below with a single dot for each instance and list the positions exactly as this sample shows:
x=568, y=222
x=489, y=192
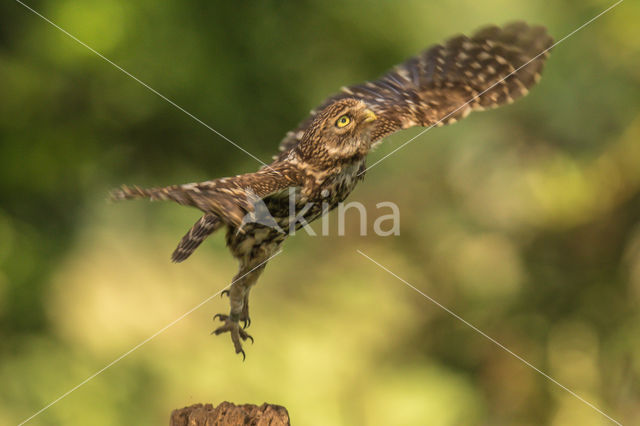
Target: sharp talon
x=224, y=293
x=245, y=323
x=244, y=335
x=222, y=317
x=233, y=328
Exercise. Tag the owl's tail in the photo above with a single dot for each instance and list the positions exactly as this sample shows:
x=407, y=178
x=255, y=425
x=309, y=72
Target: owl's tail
x=205, y=226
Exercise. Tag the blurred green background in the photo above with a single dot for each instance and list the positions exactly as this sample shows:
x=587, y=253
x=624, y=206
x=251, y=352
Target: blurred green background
x=525, y=220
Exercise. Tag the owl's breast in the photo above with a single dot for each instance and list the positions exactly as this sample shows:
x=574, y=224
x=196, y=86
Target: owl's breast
x=339, y=185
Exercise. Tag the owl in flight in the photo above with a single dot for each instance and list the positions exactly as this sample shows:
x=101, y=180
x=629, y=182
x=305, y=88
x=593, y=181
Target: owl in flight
x=321, y=161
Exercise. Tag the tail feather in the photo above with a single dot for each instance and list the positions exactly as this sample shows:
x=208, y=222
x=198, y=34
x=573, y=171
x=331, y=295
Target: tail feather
x=204, y=227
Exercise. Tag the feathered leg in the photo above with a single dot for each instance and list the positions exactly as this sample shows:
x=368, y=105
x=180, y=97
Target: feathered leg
x=239, y=302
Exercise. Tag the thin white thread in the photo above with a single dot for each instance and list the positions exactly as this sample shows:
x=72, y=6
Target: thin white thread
x=491, y=87
x=145, y=85
x=432, y=300
x=157, y=333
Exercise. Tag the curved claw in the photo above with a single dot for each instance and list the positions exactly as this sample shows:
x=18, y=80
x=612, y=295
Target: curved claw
x=246, y=322
x=221, y=317
x=244, y=335
x=224, y=293
x=237, y=334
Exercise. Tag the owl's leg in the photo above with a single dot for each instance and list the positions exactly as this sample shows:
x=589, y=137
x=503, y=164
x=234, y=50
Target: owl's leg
x=238, y=299
x=244, y=316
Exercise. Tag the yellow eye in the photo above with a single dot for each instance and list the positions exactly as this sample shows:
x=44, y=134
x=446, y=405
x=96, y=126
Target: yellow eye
x=343, y=121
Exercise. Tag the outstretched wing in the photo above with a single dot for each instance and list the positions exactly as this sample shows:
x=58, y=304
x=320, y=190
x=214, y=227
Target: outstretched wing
x=447, y=81
x=229, y=198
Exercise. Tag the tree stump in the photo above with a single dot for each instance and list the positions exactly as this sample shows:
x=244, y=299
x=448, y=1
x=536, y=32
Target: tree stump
x=228, y=414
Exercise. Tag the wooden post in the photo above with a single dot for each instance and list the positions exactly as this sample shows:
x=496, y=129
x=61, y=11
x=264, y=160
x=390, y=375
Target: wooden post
x=228, y=414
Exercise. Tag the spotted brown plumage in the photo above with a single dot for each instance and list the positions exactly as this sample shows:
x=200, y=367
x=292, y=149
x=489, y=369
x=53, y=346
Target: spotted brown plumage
x=205, y=226
x=321, y=161
x=447, y=81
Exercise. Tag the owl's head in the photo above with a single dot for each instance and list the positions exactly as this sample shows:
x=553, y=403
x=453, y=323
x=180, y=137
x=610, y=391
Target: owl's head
x=341, y=129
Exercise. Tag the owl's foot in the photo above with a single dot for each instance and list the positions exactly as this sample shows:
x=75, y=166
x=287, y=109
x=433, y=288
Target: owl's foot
x=237, y=333
x=244, y=316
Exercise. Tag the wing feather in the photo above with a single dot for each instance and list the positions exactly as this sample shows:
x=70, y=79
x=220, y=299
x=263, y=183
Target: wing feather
x=230, y=199
x=444, y=83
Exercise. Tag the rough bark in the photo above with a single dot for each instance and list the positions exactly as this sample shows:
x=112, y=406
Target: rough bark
x=228, y=414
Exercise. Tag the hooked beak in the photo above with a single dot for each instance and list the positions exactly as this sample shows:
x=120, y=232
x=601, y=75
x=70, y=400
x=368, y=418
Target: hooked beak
x=369, y=116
